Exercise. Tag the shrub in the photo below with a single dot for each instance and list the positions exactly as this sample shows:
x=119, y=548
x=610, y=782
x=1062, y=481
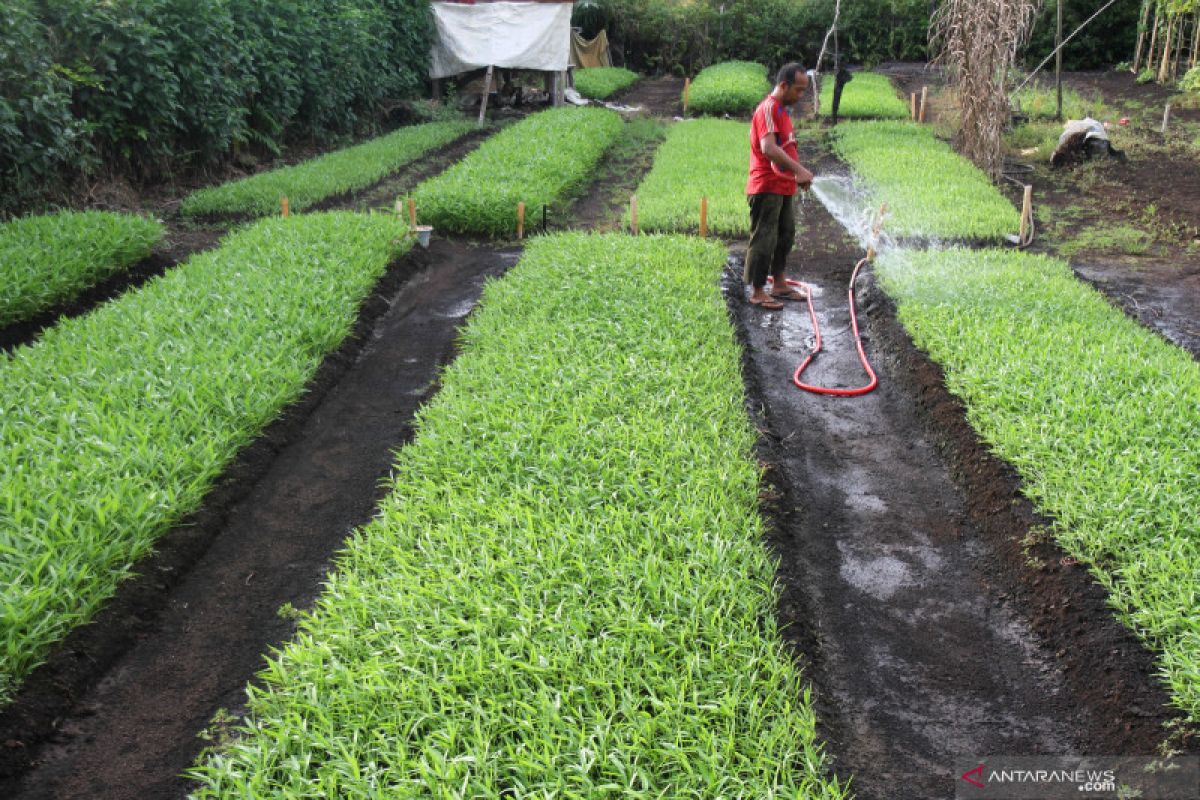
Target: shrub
x=733, y=87
x=48, y=260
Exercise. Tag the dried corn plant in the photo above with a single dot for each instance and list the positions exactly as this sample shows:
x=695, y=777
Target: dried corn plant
x=978, y=41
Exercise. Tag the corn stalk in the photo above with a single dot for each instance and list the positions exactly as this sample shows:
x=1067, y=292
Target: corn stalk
x=978, y=42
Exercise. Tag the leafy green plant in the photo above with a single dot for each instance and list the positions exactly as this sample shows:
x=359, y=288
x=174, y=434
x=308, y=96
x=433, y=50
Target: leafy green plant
x=1190, y=82
x=700, y=158
x=142, y=403
x=601, y=82
x=49, y=259
x=1098, y=415
x=565, y=594
x=931, y=191
x=1041, y=103
x=868, y=95
x=544, y=159
x=330, y=175
x=732, y=87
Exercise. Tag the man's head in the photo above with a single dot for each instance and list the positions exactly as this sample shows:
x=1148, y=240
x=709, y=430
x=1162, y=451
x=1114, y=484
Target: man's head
x=790, y=83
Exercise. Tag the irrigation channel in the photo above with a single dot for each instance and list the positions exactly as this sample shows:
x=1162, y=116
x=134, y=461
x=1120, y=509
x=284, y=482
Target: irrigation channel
x=906, y=591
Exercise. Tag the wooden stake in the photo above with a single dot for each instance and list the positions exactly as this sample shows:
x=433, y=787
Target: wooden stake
x=633, y=225
x=487, y=90
x=1026, y=214
x=1166, y=118
x=283, y=204
x=520, y=220
x=687, y=88
x=924, y=97
x=703, y=217
x=913, y=99
x=412, y=212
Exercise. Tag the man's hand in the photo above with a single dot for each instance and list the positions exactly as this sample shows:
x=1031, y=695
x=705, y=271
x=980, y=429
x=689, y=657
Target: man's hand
x=804, y=179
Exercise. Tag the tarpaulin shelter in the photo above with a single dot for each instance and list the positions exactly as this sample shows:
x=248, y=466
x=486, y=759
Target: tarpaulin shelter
x=505, y=34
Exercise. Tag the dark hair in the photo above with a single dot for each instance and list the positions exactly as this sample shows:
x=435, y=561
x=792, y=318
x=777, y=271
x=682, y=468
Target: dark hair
x=787, y=73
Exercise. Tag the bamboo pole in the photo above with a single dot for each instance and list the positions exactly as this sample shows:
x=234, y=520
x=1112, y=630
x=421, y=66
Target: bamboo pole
x=1195, y=39
x=924, y=97
x=633, y=221
x=1058, y=43
x=1168, y=38
x=520, y=220
x=1166, y=118
x=1026, y=214
x=703, y=217
x=487, y=90
x=283, y=205
x=1141, y=40
x=1153, y=41
x=412, y=212
x=913, y=103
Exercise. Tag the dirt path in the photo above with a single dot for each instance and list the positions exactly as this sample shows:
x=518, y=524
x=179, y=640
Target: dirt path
x=661, y=97
x=197, y=628
x=911, y=613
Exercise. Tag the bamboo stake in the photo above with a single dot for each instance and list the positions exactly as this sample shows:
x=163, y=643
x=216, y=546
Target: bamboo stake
x=633, y=222
x=283, y=204
x=487, y=90
x=1168, y=38
x=924, y=97
x=412, y=212
x=1026, y=214
x=687, y=88
x=520, y=220
x=913, y=102
x=1153, y=41
x=1166, y=118
x=703, y=217
x=1141, y=40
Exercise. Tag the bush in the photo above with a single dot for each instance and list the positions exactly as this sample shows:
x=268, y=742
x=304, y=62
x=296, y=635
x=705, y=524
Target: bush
x=147, y=85
x=1190, y=82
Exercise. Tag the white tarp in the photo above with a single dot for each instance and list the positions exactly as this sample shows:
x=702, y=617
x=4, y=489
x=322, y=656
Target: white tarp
x=509, y=35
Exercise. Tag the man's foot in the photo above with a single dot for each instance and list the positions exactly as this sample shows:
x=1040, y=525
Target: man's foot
x=791, y=294
x=766, y=303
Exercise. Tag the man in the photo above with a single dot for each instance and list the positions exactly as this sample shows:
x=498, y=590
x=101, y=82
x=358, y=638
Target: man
x=775, y=172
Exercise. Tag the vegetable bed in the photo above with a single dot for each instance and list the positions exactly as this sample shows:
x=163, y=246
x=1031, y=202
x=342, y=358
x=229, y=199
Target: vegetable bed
x=115, y=424
x=1098, y=414
x=545, y=158
x=50, y=259
x=868, y=95
x=309, y=183
x=566, y=594
x=731, y=87
x=700, y=158
x=931, y=191
x=599, y=83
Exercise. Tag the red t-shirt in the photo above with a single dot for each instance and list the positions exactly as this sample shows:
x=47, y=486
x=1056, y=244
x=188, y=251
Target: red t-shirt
x=765, y=176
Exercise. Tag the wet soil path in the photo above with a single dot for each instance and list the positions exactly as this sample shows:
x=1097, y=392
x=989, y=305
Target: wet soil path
x=265, y=538
x=906, y=603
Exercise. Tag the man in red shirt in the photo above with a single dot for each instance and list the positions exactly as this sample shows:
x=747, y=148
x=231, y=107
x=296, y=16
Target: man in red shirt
x=775, y=172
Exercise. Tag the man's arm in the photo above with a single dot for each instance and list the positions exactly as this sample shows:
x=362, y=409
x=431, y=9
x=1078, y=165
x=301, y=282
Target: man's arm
x=777, y=156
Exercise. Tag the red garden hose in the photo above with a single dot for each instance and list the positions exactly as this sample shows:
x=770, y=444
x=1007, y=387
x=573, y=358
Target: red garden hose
x=862, y=356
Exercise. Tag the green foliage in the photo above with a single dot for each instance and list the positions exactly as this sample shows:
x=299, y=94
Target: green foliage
x=48, y=260
x=700, y=158
x=327, y=176
x=141, y=404
x=681, y=36
x=931, y=191
x=1109, y=39
x=1041, y=102
x=868, y=95
x=570, y=601
x=1119, y=239
x=600, y=82
x=147, y=85
x=1097, y=413
x=733, y=87
x=544, y=159
x=1190, y=82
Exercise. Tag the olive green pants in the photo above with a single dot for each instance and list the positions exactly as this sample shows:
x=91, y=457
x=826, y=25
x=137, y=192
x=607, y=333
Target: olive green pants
x=772, y=234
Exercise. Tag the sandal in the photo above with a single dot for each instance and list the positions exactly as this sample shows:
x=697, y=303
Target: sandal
x=768, y=304
x=791, y=294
